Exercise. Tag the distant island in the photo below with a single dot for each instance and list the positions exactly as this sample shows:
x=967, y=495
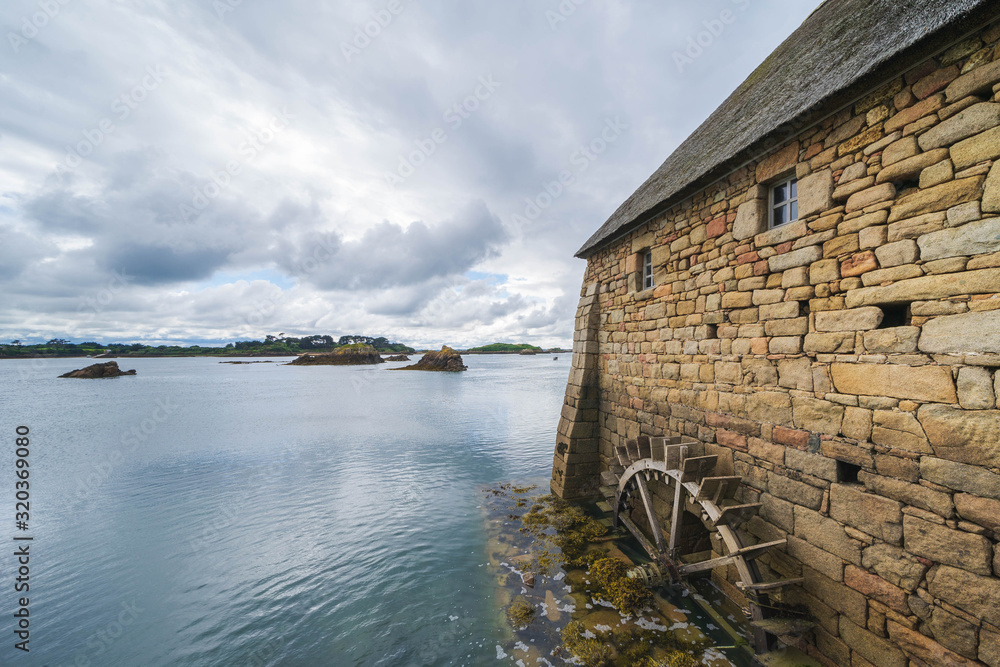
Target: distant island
x=446, y=360
x=509, y=348
x=271, y=346
x=356, y=354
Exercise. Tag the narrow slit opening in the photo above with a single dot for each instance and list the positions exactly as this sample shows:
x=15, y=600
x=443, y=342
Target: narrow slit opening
x=895, y=315
x=847, y=473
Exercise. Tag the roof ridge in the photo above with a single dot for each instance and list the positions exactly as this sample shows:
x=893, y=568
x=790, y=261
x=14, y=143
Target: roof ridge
x=843, y=64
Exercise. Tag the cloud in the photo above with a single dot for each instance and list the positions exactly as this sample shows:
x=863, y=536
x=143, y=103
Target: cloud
x=310, y=203
x=161, y=264
x=389, y=255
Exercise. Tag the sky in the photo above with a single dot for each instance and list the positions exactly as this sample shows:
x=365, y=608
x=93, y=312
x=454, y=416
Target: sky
x=180, y=172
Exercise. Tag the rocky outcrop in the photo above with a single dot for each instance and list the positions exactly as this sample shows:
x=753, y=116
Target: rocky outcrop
x=106, y=370
x=348, y=355
x=446, y=359
x=527, y=352
x=398, y=357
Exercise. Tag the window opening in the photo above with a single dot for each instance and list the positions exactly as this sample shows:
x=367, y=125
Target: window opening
x=784, y=202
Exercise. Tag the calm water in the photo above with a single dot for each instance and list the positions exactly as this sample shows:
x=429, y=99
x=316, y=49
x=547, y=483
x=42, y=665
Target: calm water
x=214, y=514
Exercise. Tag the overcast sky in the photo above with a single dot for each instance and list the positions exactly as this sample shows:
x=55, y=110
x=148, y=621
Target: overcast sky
x=204, y=171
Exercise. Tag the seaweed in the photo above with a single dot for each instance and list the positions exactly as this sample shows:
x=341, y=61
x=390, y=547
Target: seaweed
x=520, y=613
x=631, y=647
x=557, y=523
x=628, y=595
x=590, y=649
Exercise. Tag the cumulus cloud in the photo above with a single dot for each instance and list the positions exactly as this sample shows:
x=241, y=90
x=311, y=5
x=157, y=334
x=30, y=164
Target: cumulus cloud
x=389, y=255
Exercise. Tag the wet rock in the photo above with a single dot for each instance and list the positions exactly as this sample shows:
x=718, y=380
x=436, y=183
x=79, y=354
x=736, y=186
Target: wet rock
x=106, y=370
x=348, y=355
x=446, y=359
x=398, y=357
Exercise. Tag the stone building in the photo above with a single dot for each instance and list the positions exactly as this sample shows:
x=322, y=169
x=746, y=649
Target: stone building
x=809, y=286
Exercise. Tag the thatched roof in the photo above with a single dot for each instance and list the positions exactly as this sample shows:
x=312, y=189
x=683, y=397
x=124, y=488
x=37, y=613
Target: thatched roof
x=844, y=49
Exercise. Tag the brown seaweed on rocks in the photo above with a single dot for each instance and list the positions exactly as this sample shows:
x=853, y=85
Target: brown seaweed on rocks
x=348, y=355
x=98, y=371
x=447, y=360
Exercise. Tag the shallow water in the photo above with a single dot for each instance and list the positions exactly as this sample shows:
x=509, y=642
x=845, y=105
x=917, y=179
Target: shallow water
x=215, y=514
x=203, y=513
x=559, y=593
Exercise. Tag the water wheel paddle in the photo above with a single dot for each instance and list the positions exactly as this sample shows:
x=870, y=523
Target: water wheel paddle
x=711, y=500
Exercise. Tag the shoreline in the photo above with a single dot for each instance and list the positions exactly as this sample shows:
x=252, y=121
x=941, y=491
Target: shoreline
x=225, y=356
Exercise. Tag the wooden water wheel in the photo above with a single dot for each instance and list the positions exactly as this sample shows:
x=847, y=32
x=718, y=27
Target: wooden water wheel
x=704, y=506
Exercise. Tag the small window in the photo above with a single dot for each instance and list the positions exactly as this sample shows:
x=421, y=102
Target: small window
x=647, y=269
x=895, y=315
x=847, y=473
x=784, y=202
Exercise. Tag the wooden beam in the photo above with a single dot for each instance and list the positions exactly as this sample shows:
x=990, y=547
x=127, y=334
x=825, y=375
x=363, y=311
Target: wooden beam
x=647, y=501
x=691, y=568
x=675, y=520
x=637, y=534
x=771, y=585
x=731, y=511
x=756, y=550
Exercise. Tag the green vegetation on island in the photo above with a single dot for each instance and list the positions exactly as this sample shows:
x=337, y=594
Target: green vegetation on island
x=503, y=348
x=355, y=354
x=271, y=346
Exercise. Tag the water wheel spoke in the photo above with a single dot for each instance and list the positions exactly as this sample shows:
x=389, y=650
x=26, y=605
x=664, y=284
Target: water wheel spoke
x=675, y=519
x=756, y=550
x=710, y=498
x=732, y=512
x=705, y=565
x=640, y=538
x=647, y=502
x=772, y=585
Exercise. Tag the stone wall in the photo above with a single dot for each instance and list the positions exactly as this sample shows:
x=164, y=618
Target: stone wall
x=577, y=461
x=845, y=365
